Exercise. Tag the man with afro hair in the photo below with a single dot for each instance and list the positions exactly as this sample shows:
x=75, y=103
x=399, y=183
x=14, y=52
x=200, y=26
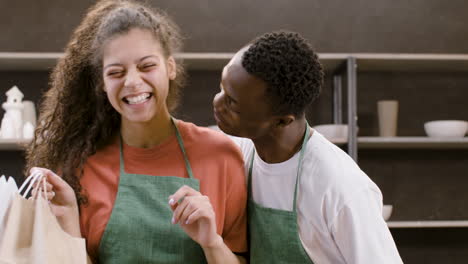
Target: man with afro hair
x=309, y=202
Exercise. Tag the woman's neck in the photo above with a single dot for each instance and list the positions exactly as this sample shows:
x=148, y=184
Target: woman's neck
x=147, y=134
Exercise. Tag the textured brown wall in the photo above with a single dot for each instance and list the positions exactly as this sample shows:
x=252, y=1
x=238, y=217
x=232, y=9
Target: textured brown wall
x=225, y=25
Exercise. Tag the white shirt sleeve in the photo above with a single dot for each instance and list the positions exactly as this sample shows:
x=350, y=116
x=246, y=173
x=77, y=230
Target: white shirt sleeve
x=236, y=140
x=361, y=233
x=244, y=144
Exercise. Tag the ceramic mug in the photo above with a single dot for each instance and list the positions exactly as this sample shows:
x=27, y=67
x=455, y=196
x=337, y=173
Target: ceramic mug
x=388, y=117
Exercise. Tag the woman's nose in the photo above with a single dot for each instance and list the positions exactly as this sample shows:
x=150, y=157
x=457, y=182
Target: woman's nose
x=133, y=79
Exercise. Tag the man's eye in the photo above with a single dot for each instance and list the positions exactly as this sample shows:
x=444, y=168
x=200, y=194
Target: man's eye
x=231, y=104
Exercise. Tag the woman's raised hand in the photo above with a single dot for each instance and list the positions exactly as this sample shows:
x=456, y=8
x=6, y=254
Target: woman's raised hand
x=62, y=200
x=194, y=213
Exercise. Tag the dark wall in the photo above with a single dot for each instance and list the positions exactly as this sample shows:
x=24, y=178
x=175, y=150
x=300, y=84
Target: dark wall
x=224, y=25
x=422, y=185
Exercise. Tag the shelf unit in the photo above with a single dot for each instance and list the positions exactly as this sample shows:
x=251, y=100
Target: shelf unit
x=386, y=62
x=403, y=63
x=339, y=65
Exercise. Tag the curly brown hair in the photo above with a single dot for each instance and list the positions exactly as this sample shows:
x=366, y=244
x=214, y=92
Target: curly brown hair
x=76, y=118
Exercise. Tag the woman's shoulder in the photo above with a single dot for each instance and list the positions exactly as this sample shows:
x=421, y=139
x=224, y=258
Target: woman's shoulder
x=206, y=138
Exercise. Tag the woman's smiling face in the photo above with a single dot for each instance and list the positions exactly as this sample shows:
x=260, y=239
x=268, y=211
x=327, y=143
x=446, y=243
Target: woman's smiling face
x=136, y=75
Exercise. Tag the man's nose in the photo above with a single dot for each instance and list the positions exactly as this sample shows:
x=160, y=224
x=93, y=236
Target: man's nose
x=217, y=100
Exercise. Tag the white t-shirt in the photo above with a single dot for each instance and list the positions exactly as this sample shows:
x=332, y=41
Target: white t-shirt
x=339, y=208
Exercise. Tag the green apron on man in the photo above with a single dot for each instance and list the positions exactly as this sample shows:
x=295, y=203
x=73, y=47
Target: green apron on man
x=274, y=233
x=140, y=229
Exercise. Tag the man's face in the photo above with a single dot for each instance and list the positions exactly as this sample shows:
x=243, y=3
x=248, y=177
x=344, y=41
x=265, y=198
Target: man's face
x=241, y=108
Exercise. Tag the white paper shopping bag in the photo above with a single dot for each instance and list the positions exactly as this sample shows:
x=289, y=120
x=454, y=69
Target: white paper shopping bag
x=33, y=235
x=7, y=192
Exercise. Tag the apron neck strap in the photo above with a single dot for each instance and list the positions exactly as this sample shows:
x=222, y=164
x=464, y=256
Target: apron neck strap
x=299, y=166
x=182, y=148
x=301, y=158
x=181, y=145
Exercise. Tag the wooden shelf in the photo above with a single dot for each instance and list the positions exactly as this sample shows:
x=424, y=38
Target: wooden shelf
x=205, y=61
x=366, y=62
x=25, y=61
x=427, y=224
x=216, y=60
x=30, y=61
x=375, y=62
x=412, y=143
x=332, y=61
x=13, y=144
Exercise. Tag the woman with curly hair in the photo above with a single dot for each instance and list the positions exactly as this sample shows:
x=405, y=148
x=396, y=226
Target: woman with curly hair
x=129, y=171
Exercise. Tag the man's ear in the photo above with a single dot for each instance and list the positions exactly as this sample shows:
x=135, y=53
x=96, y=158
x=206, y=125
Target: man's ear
x=284, y=120
x=171, y=68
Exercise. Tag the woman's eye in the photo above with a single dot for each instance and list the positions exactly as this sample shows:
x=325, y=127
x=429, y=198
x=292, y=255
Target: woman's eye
x=114, y=73
x=149, y=65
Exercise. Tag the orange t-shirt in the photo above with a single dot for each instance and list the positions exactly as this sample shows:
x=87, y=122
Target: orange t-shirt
x=216, y=163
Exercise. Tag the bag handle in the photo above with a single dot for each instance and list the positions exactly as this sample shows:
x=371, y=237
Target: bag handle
x=43, y=189
x=33, y=178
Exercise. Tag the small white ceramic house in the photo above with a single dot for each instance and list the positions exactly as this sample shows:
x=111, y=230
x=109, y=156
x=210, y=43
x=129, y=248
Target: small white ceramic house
x=14, y=96
x=13, y=113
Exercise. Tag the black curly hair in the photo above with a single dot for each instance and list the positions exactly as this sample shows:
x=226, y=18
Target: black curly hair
x=290, y=68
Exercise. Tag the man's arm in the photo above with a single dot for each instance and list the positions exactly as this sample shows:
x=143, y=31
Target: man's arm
x=361, y=233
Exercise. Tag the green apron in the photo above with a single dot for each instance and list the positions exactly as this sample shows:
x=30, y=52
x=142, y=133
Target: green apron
x=140, y=229
x=274, y=233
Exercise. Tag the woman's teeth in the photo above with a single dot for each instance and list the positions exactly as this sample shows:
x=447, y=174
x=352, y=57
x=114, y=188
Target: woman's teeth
x=138, y=99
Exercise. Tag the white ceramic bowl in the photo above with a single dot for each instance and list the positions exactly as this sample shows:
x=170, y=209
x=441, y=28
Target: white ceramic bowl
x=336, y=133
x=333, y=132
x=387, y=211
x=446, y=128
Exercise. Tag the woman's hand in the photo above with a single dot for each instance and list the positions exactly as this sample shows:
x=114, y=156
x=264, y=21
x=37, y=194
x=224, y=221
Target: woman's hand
x=62, y=199
x=194, y=213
